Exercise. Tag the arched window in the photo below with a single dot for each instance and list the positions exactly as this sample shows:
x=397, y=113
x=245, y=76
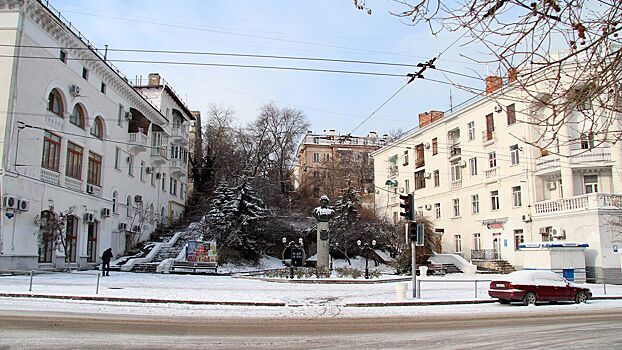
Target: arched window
x=98, y=128
x=115, y=197
x=78, y=116
x=128, y=203
x=71, y=239
x=55, y=103
x=46, y=243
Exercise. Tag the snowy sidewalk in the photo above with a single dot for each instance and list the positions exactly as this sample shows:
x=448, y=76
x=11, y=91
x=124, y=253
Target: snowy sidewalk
x=211, y=290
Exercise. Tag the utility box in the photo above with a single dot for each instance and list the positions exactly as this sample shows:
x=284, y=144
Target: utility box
x=566, y=259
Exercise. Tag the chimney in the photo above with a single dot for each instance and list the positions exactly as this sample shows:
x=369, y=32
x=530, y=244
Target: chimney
x=372, y=134
x=512, y=75
x=332, y=132
x=493, y=83
x=424, y=119
x=154, y=79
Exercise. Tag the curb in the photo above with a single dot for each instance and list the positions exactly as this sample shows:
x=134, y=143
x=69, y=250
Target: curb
x=422, y=303
x=323, y=281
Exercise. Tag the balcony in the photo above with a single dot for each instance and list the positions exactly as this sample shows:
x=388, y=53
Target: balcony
x=393, y=170
x=492, y=174
x=589, y=157
x=455, y=151
x=489, y=137
x=456, y=184
x=579, y=203
x=419, y=162
x=178, y=168
x=159, y=154
x=547, y=164
x=73, y=184
x=179, y=136
x=50, y=176
x=138, y=142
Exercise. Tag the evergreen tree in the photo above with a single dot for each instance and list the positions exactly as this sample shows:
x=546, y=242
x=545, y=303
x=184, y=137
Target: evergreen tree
x=222, y=213
x=246, y=228
x=344, y=226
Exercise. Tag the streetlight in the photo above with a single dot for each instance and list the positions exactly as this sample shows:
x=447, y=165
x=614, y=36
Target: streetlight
x=365, y=247
x=296, y=254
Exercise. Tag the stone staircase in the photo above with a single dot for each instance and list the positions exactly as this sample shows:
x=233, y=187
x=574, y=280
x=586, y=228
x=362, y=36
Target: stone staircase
x=493, y=266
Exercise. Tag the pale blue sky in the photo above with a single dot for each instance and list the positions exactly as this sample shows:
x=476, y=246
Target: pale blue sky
x=322, y=28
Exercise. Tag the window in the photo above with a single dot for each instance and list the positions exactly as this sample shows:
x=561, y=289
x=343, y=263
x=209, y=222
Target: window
x=458, y=243
x=405, y=158
x=587, y=141
x=91, y=244
x=77, y=117
x=492, y=159
x=46, y=247
x=494, y=200
x=51, y=151
x=591, y=183
x=142, y=171
x=316, y=139
x=419, y=179
x=71, y=238
x=153, y=177
x=164, y=182
x=128, y=206
x=475, y=204
x=477, y=241
x=181, y=191
x=98, y=128
x=173, y=187
x=407, y=185
x=420, y=152
x=130, y=166
x=511, y=114
x=62, y=56
x=117, y=158
x=103, y=88
x=434, y=146
x=490, y=125
x=437, y=178
x=437, y=210
x=85, y=73
x=120, y=115
x=518, y=238
x=473, y=166
x=55, y=103
x=514, y=158
x=74, y=161
x=316, y=174
x=456, y=202
x=471, y=130
x=316, y=157
x=95, y=169
x=115, y=199
x=456, y=171
x=516, y=197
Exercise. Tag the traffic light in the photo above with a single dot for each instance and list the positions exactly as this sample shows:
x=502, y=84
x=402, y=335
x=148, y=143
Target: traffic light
x=408, y=203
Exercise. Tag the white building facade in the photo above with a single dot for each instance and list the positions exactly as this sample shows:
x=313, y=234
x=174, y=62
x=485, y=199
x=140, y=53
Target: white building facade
x=487, y=191
x=79, y=139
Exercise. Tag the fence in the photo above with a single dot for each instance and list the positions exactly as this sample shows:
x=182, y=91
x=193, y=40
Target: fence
x=32, y=275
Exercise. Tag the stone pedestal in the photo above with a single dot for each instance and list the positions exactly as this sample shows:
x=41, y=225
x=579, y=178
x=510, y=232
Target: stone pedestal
x=322, y=245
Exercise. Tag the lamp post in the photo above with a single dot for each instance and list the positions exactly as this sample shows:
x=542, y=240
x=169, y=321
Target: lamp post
x=366, y=248
x=296, y=254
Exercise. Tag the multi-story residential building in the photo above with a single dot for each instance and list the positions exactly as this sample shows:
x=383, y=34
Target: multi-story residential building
x=78, y=139
x=487, y=191
x=326, y=162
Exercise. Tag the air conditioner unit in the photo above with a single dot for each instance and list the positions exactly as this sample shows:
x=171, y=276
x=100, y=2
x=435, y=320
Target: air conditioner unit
x=136, y=228
x=138, y=198
x=426, y=145
x=551, y=186
x=90, y=189
x=158, y=176
x=428, y=207
x=428, y=175
x=74, y=90
x=149, y=170
x=122, y=226
x=23, y=205
x=558, y=233
x=106, y=212
x=498, y=108
x=89, y=217
x=9, y=202
x=463, y=164
x=128, y=116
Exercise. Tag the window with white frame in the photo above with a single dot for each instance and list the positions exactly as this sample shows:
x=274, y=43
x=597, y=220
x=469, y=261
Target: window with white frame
x=117, y=158
x=514, y=157
x=128, y=206
x=405, y=157
x=458, y=243
x=494, y=200
x=471, y=130
x=477, y=241
x=163, y=182
x=456, y=202
x=456, y=171
x=153, y=176
x=473, y=166
x=492, y=159
x=130, y=167
x=407, y=185
x=142, y=170
x=590, y=183
x=437, y=178
x=587, y=140
x=437, y=210
x=475, y=204
x=316, y=157
x=516, y=197
x=519, y=238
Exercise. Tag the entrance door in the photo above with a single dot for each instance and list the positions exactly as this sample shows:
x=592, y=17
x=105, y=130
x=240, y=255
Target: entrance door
x=91, y=246
x=496, y=246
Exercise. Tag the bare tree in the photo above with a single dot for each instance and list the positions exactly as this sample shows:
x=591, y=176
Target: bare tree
x=52, y=228
x=575, y=92
x=221, y=142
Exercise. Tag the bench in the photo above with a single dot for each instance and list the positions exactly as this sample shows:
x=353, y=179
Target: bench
x=195, y=265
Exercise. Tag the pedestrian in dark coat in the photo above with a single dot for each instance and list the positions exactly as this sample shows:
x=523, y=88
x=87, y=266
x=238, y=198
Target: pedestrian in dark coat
x=106, y=257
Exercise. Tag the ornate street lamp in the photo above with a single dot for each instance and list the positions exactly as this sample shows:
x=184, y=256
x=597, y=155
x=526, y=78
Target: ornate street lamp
x=296, y=254
x=366, y=248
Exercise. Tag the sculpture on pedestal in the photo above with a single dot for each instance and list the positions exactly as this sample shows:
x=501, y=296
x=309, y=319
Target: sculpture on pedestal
x=323, y=214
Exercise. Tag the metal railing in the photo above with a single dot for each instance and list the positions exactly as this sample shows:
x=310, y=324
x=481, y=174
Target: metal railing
x=485, y=254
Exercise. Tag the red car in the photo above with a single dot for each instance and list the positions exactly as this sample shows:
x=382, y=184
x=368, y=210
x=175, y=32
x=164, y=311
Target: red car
x=531, y=286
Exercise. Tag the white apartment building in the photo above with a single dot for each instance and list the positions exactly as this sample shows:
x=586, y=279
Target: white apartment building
x=79, y=138
x=487, y=191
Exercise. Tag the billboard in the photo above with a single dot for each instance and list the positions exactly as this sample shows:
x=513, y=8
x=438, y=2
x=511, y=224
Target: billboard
x=200, y=251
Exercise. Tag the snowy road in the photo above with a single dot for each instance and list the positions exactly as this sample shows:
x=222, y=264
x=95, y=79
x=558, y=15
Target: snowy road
x=573, y=329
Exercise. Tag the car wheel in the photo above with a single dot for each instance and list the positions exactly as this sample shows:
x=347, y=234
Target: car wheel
x=503, y=301
x=581, y=297
x=529, y=299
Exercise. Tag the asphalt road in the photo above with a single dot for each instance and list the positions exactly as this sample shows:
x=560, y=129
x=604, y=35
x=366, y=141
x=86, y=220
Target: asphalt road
x=601, y=329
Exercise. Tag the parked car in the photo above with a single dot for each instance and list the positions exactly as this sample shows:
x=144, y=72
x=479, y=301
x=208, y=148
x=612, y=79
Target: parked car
x=531, y=286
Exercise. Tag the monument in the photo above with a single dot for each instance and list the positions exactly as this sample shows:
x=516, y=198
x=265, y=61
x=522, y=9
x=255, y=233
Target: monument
x=323, y=214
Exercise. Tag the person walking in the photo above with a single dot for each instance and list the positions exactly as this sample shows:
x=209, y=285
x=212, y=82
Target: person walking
x=106, y=257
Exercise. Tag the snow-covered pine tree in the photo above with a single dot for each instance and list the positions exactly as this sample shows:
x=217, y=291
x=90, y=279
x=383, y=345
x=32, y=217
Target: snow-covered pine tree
x=249, y=214
x=223, y=211
x=343, y=226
